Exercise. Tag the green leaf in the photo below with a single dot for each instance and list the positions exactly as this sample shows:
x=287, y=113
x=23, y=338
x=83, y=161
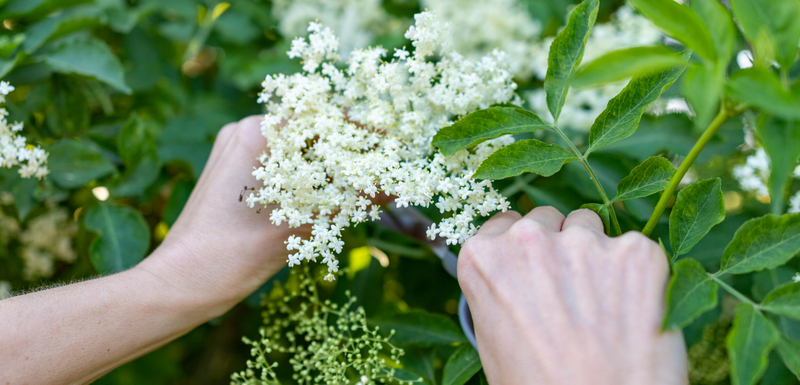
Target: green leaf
x=407, y=376
x=566, y=53
x=74, y=163
x=421, y=362
x=602, y=212
x=626, y=63
x=781, y=141
x=784, y=300
x=648, y=178
x=702, y=87
x=88, y=57
x=679, y=22
x=483, y=125
x=137, y=149
x=529, y=155
x=790, y=352
x=720, y=26
x=762, y=243
x=123, y=237
x=461, y=366
x=60, y=24
x=772, y=23
x=761, y=88
x=8, y=44
x=749, y=342
x=420, y=328
x=621, y=117
x=691, y=293
x=699, y=207
x=31, y=9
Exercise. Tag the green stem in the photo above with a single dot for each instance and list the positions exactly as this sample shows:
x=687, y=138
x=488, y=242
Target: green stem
x=612, y=214
x=709, y=133
x=732, y=291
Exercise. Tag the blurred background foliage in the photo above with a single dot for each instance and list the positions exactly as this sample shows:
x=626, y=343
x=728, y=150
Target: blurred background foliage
x=127, y=97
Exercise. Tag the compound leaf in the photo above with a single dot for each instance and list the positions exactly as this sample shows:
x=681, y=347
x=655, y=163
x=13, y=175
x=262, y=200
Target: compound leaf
x=529, y=155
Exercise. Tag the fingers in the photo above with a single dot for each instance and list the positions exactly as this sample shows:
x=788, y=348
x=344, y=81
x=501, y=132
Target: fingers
x=547, y=216
x=499, y=223
x=583, y=218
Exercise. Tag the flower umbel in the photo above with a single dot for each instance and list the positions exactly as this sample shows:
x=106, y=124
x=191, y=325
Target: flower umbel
x=340, y=137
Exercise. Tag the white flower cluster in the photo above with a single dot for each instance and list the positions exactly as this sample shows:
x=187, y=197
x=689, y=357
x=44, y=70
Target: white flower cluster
x=357, y=23
x=14, y=151
x=626, y=29
x=47, y=238
x=485, y=25
x=754, y=174
x=339, y=137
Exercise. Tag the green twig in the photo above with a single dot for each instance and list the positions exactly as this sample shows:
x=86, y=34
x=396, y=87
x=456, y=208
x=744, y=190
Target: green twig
x=709, y=133
x=612, y=214
x=732, y=291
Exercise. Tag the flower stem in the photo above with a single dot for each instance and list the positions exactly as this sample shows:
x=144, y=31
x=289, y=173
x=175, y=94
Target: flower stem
x=708, y=134
x=612, y=214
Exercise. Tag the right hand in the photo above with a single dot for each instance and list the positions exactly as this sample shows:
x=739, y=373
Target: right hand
x=556, y=301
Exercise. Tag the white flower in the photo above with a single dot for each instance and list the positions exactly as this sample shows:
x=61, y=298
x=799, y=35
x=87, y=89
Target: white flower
x=339, y=136
x=14, y=150
x=753, y=174
x=796, y=277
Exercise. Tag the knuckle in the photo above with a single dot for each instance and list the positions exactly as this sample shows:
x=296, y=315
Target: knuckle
x=526, y=232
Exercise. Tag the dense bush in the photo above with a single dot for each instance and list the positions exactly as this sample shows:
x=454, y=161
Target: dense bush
x=698, y=102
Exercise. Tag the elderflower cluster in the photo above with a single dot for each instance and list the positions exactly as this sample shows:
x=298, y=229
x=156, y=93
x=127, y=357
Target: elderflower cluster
x=626, y=29
x=754, y=174
x=14, y=150
x=340, y=137
x=47, y=238
x=485, y=25
x=327, y=343
x=357, y=23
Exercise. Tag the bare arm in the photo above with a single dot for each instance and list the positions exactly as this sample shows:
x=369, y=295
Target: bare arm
x=217, y=253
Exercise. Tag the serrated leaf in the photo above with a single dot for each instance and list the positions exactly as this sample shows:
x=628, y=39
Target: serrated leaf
x=679, y=22
x=420, y=328
x=529, y=155
x=123, y=237
x=771, y=22
x=88, y=57
x=483, y=125
x=621, y=117
x=749, y=343
x=626, y=63
x=566, y=53
x=461, y=366
x=602, y=211
x=60, y=24
x=781, y=140
x=790, y=353
x=648, y=178
x=699, y=207
x=762, y=89
x=762, y=243
x=784, y=300
x=73, y=163
x=691, y=293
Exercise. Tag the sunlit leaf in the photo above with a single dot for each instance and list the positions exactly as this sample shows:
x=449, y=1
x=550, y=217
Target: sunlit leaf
x=566, y=53
x=486, y=124
x=461, y=366
x=679, y=22
x=529, y=155
x=691, y=293
x=699, y=207
x=123, y=237
x=621, y=117
x=648, y=178
x=626, y=63
x=749, y=342
x=762, y=243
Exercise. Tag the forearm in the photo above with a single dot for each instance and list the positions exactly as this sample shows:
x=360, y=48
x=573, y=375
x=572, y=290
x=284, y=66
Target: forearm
x=76, y=333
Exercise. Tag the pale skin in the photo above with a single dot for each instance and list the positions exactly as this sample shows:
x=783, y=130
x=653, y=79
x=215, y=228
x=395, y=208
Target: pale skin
x=591, y=315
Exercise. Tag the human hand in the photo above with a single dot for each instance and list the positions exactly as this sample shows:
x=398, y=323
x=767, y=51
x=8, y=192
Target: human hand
x=556, y=301
x=219, y=250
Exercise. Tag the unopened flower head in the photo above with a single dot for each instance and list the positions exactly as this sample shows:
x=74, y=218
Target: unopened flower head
x=340, y=137
x=14, y=149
